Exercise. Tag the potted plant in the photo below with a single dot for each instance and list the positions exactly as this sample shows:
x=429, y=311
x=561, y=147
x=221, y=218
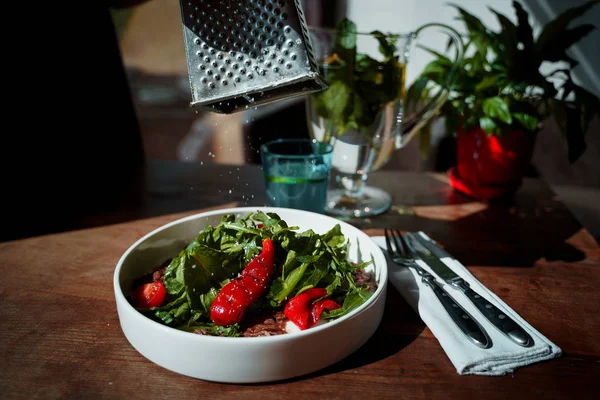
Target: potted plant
x=500, y=98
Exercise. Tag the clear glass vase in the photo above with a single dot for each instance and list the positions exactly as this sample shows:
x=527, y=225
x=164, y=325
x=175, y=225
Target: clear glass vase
x=361, y=113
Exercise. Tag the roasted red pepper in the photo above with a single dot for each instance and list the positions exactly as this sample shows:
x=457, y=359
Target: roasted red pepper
x=232, y=300
x=303, y=312
x=319, y=307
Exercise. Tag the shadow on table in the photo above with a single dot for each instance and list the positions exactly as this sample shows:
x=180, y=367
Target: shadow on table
x=517, y=231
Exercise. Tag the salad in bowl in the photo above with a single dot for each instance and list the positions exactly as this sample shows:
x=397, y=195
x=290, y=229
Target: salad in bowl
x=246, y=295
x=255, y=276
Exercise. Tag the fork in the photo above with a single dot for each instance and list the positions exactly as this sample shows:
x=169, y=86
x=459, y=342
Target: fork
x=403, y=255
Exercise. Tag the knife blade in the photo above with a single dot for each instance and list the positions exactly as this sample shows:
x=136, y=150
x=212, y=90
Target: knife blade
x=432, y=254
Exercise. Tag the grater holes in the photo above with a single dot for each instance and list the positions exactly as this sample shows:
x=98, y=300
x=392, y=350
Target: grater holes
x=275, y=69
x=288, y=66
x=222, y=69
x=237, y=79
x=293, y=56
x=211, y=85
x=287, y=29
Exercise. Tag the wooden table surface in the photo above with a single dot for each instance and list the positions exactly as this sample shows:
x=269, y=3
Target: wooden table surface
x=62, y=339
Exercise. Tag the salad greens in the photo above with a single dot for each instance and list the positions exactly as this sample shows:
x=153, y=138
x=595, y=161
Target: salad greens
x=303, y=260
x=359, y=86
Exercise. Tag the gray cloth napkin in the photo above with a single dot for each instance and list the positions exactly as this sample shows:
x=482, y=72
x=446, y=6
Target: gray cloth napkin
x=502, y=358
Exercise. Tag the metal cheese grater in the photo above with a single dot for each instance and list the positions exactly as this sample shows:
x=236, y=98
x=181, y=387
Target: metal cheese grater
x=247, y=53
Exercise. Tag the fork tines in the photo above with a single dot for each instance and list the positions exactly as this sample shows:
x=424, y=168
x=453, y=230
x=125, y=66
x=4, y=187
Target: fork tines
x=399, y=242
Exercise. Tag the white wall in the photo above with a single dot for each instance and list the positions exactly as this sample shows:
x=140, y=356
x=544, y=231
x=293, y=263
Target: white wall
x=406, y=15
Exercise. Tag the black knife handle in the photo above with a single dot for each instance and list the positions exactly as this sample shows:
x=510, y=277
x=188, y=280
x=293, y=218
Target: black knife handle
x=499, y=319
x=460, y=316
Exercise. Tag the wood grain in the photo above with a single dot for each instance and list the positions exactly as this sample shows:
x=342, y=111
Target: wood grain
x=62, y=339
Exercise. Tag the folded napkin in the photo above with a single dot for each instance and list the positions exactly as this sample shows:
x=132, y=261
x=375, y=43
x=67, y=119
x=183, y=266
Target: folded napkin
x=503, y=357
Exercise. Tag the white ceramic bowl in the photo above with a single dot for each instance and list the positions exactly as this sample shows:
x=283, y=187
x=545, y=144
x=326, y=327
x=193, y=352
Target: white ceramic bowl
x=245, y=359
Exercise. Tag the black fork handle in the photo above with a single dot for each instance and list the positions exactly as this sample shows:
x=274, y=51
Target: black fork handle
x=463, y=320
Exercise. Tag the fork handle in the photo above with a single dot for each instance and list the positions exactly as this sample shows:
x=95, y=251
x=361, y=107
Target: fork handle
x=472, y=330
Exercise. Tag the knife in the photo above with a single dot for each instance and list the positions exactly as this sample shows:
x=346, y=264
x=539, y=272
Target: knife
x=432, y=254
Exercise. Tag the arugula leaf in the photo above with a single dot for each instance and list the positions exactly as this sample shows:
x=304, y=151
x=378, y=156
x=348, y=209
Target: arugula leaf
x=303, y=260
x=214, y=330
x=353, y=300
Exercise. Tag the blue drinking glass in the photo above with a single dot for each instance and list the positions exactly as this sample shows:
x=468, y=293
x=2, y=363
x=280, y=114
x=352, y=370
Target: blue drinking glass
x=297, y=173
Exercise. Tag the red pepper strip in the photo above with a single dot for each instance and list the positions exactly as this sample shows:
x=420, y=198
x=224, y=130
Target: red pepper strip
x=319, y=307
x=298, y=307
x=232, y=300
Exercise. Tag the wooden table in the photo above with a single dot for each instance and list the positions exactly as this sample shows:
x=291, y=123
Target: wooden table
x=62, y=339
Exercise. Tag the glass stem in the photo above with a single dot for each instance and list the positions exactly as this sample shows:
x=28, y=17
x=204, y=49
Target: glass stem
x=352, y=184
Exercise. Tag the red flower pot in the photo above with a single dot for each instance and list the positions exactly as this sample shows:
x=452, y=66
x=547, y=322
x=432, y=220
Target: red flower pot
x=490, y=166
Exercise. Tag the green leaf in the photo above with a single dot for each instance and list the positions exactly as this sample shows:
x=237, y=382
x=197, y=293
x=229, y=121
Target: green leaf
x=441, y=58
x=488, y=125
x=353, y=300
x=282, y=288
x=473, y=24
x=387, y=43
x=214, y=330
x=495, y=107
x=487, y=82
x=529, y=122
x=347, y=34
